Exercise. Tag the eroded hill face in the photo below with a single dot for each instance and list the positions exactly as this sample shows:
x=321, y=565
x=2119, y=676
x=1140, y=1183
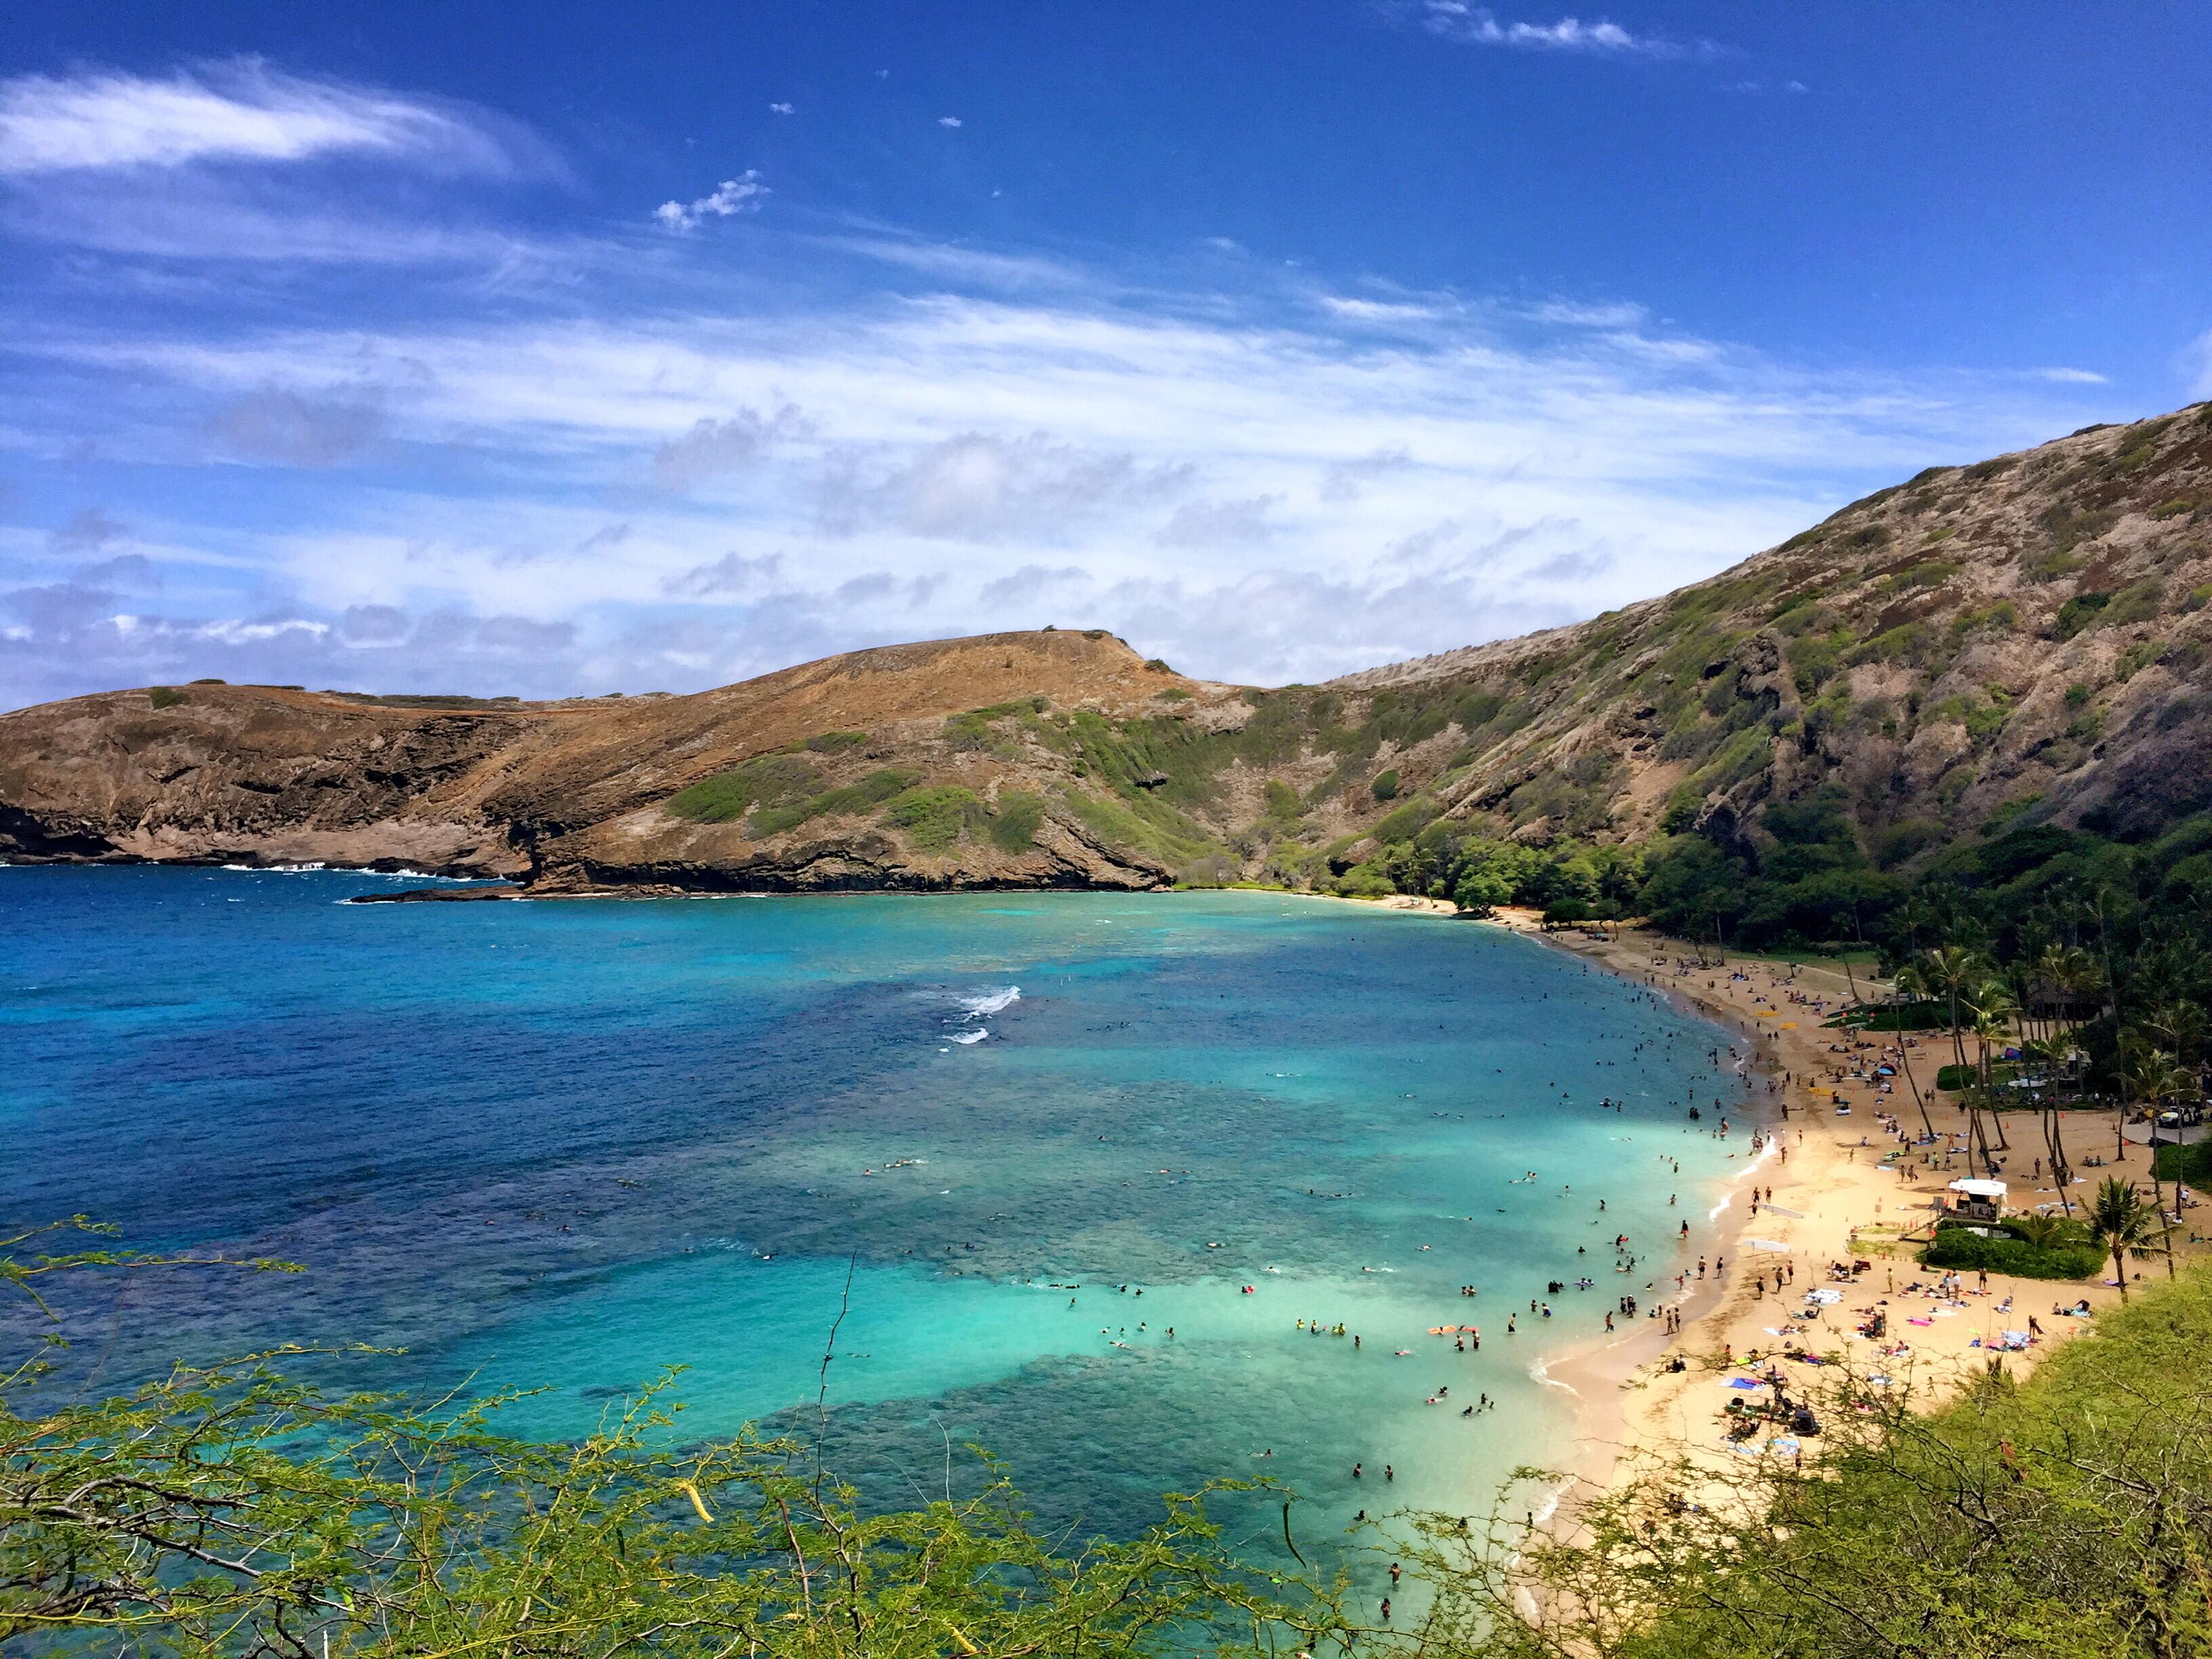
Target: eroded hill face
x=2022, y=639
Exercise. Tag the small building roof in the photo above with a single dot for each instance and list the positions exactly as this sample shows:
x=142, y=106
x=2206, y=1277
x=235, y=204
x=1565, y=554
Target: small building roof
x=1974, y=1188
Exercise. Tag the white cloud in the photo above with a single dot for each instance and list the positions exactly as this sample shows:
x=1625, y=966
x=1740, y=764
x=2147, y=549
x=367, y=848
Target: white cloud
x=713, y=447
x=241, y=113
x=1575, y=314
x=2196, y=365
x=1157, y=463
x=738, y=195
x=1377, y=310
x=2071, y=376
x=1343, y=480
x=949, y=262
x=1220, y=524
x=1454, y=20
x=783, y=109
x=948, y=120
x=977, y=487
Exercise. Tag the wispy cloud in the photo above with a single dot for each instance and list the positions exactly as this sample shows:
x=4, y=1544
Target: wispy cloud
x=948, y=121
x=659, y=490
x=2196, y=365
x=953, y=262
x=2071, y=376
x=1378, y=311
x=783, y=109
x=738, y=195
x=240, y=113
x=1478, y=26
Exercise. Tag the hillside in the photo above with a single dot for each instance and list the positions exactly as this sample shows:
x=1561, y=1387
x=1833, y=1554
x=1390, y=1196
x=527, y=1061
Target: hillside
x=2019, y=641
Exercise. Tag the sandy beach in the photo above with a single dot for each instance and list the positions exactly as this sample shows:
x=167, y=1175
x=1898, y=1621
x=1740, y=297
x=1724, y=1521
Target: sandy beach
x=1834, y=1200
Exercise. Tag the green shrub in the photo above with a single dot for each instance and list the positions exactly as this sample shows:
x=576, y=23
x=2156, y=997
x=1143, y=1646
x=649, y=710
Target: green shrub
x=2136, y=657
x=1960, y=1249
x=1929, y=573
x=1911, y=643
x=712, y=800
x=2191, y=1164
x=2172, y=509
x=1385, y=786
x=1015, y=824
x=1999, y=618
x=835, y=743
x=164, y=696
x=770, y=781
x=2137, y=602
x=1408, y=822
x=934, y=819
x=2078, y=612
x=870, y=791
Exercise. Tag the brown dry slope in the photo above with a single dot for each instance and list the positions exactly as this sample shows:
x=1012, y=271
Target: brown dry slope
x=862, y=770
x=2025, y=638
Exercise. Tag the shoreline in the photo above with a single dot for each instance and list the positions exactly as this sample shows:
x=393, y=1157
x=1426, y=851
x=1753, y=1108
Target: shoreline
x=1631, y=1409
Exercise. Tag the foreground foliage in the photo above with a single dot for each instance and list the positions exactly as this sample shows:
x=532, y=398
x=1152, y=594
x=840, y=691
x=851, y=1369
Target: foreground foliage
x=224, y=1509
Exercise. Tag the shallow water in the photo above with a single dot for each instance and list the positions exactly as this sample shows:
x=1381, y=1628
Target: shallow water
x=567, y=1144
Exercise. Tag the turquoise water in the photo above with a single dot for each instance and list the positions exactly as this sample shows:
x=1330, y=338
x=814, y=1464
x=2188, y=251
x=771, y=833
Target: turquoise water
x=565, y=1144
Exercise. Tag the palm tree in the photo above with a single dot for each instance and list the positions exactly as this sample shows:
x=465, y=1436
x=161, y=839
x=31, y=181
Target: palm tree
x=1949, y=968
x=1992, y=1007
x=1907, y=982
x=2151, y=1076
x=2120, y=1221
x=2050, y=1055
x=2045, y=1232
x=2183, y=1026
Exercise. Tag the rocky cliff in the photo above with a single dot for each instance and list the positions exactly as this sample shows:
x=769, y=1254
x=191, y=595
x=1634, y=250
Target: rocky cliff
x=2025, y=638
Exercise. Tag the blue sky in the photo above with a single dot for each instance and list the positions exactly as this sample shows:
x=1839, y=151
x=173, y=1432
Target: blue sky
x=576, y=348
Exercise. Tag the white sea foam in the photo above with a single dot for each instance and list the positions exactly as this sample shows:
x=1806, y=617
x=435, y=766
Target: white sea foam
x=989, y=1002
x=1749, y=1170
x=278, y=869
x=969, y=1037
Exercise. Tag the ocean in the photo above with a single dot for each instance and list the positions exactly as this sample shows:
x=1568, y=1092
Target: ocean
x=1075, y=1167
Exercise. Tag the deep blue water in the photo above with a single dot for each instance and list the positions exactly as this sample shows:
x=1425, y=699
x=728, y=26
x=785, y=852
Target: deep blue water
x=567, y=1144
